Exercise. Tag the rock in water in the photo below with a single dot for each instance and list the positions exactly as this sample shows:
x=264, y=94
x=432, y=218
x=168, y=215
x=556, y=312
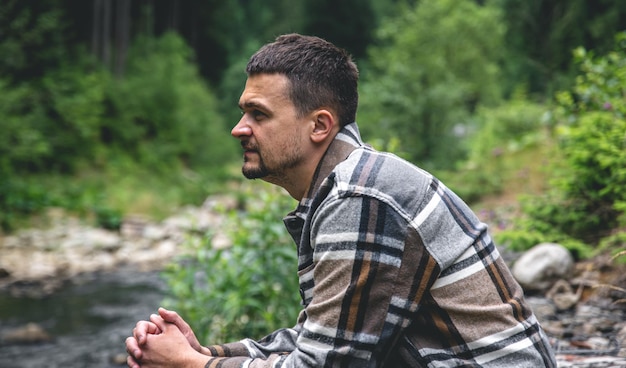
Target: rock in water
x=30, y=333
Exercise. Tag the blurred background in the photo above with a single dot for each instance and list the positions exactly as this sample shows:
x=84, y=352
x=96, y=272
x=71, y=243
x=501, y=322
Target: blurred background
x=118, y=108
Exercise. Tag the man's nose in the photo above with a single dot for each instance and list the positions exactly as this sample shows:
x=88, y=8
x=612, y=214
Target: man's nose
x=241, y=129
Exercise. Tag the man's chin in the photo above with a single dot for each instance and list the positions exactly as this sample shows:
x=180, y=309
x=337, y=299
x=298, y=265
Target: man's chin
x=253, y=172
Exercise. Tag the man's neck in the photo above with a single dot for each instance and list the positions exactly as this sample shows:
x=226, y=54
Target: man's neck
x=298, y=180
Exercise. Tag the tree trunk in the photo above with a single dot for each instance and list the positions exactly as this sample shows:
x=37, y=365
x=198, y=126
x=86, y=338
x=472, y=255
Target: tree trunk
x=106, y=30
x=122, y=36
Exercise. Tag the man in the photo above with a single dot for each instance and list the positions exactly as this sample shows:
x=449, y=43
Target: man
x=395, y=270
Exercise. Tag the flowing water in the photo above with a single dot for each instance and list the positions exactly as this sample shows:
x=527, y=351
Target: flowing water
x=88, y=319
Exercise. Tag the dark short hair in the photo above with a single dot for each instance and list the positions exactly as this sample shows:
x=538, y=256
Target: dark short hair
x=320, y=73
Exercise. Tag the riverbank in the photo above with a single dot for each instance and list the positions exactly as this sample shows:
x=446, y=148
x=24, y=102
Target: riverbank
x=37, y=262
x=83, y=287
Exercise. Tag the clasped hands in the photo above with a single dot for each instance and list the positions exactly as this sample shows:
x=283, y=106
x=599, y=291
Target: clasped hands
x=166, y=340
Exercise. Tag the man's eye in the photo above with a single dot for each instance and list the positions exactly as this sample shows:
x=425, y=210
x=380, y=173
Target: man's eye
x=256, y=114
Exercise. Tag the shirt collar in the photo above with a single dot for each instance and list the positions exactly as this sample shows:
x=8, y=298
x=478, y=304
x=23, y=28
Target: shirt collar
x=347, y=140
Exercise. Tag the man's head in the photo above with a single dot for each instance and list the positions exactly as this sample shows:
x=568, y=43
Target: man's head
x=320, y=74
x=300, y=91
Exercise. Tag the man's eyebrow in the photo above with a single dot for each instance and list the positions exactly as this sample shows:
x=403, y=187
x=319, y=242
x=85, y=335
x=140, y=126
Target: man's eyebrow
x=251, y=105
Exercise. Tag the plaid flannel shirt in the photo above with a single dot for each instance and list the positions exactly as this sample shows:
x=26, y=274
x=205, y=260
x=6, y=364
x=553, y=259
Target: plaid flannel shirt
x=395, y=271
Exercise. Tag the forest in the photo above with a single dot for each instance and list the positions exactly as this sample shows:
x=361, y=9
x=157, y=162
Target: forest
x=109, y=107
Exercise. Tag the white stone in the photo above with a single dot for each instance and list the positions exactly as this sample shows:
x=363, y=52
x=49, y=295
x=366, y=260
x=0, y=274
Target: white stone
x=539, y=267
x=154, y=232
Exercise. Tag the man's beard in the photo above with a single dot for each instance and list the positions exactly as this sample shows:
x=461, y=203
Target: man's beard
x=255, y=172
x=291, y=159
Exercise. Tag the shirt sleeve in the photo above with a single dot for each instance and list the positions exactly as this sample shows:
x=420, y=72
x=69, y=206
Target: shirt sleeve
x=360, y=290
x=270, y=348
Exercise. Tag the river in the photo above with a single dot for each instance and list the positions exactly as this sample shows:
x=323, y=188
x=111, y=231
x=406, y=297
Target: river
x=89, y=319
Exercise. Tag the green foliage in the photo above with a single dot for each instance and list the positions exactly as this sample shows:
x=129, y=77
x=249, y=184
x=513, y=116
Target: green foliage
x=51, y=94
x=247, y=289
x=430, y=77
x=432, y=66
x=616, y=245
x=73, y=96
x=160, y=113
x=588, y=190
x=18, y=200
x=108, y=218
x=541, y=35
x=22, y=197
x=23, y=142
x=508, y=127
x=31, y=38
x=46, y=124
x=163, y=112
x=77, y=118
x=521, y=240
x=512, y=129
x=595, y=185
x=233, y=80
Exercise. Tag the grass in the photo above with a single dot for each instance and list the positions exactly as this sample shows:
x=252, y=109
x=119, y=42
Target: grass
x=121, y=187
x=105, y=195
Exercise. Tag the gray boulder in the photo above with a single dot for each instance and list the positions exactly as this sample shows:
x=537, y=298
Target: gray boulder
x=539, y=267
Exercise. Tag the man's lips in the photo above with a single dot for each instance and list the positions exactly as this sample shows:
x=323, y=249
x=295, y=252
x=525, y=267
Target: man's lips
x=249, y=149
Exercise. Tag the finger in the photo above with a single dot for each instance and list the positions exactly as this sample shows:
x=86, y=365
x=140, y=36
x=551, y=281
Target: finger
x=150, y=328
x=132, y=363
x=175, y=318
x=132, y=348
x=160, y=323
x=169, y=316
x=144, y=328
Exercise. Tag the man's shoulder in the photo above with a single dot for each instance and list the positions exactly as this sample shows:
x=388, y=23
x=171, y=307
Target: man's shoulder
x=366, y=167
x=383, y=177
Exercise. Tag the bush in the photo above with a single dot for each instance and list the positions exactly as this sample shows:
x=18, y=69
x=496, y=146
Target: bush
x=23, y=143
x=23, y=200
x=19, y=199
x=588, y=191
x=248, y=289
x=74, y=99
x=77, y=119
x=162, y=112
x=506, y=128
x=500, y=148
x=52, y=124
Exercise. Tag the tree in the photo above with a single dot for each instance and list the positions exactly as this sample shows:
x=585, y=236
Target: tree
x=349, y=24
x=432, y=66
x=542, y=34
x=162, y=112
x=32, y=39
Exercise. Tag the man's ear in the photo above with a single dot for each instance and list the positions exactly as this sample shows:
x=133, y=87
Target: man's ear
x=324, y=125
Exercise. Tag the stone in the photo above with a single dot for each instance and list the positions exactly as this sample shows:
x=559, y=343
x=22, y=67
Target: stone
x=543, y=309
x=95, y=239
x=154, y=233
x=539, y=267
x=119, y=359
x=30, y=333
x=133, y=226
x=563, y=296
x=4, y=273
x=221, y=241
